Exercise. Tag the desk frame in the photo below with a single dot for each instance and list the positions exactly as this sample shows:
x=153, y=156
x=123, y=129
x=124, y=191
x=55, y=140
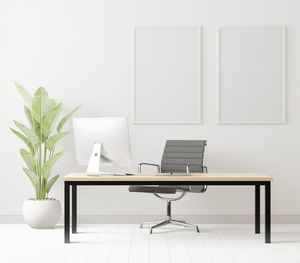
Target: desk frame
x=256, y=184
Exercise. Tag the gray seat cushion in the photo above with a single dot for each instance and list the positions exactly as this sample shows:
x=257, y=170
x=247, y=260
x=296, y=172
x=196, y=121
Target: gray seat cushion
x=162, y=189
x=152, y=189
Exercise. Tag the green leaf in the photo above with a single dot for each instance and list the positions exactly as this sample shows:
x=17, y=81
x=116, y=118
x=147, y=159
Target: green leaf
x=29, y=159
x=53, y=103
x=48, y=166
x=50, y=119
x=34, y=124
x=26, y=96
x=51, y=142
x=29, y=116
x=51, y=182
x=66, y=118
x=32, y=177
x=30, y=134
x=24, y=139
x=41, y=104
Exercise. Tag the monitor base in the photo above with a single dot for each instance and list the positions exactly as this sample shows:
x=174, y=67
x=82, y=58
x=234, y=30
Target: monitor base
x=106, y=174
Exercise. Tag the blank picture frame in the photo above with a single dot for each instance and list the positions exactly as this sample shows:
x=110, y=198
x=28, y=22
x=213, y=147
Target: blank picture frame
x=167, y=75
x=251, y=77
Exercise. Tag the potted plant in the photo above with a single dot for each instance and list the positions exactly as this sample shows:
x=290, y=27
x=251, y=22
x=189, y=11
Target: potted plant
x=41, y=137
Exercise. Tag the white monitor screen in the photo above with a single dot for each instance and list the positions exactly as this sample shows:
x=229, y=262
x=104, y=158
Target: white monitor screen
x=111, y=132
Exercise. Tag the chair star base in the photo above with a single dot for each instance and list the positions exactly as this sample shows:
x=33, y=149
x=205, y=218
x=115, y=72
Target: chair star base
x=167, y=222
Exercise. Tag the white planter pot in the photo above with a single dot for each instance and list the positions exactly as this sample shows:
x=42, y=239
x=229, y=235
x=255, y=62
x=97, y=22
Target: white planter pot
x=41, y=213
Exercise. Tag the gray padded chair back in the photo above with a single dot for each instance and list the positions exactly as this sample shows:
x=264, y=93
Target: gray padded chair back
x=178, y=154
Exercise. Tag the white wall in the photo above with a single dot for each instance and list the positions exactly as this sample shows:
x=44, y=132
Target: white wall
x=81, y=51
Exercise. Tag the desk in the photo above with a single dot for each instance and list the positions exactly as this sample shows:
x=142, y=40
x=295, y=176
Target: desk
x=241, y=179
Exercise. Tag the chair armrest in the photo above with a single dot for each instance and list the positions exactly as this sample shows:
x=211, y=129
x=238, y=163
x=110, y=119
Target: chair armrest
x=150, y=164
x=204, y=168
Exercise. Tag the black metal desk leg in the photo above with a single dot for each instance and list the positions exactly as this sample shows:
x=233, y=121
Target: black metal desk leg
x=74, y=208
x=257, y=209
x=67, y=212
x=268, y=212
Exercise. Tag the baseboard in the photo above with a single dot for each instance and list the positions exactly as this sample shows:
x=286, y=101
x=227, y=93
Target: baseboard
x=199, y=219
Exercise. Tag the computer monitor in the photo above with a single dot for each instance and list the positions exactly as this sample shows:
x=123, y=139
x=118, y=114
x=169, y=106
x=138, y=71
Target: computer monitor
x=102, y=142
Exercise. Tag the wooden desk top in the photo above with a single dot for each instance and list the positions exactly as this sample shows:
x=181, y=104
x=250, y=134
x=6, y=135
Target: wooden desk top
x=240, y=177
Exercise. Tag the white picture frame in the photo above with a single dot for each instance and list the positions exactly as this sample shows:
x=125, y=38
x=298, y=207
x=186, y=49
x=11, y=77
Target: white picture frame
x=170, y=102
x=257, y=94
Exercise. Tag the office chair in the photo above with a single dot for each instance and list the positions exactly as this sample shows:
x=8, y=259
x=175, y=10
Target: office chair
x=180, y=156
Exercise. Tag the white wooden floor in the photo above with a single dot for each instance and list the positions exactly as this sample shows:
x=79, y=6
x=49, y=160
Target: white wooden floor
x=127, y=243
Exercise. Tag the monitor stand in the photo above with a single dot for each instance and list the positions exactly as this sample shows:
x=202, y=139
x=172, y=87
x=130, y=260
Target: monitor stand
x=94, y=162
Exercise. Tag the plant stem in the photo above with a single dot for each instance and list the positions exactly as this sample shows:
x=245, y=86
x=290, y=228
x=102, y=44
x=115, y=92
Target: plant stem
x=40, y=148
x=45, y=152
x=45, y=182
